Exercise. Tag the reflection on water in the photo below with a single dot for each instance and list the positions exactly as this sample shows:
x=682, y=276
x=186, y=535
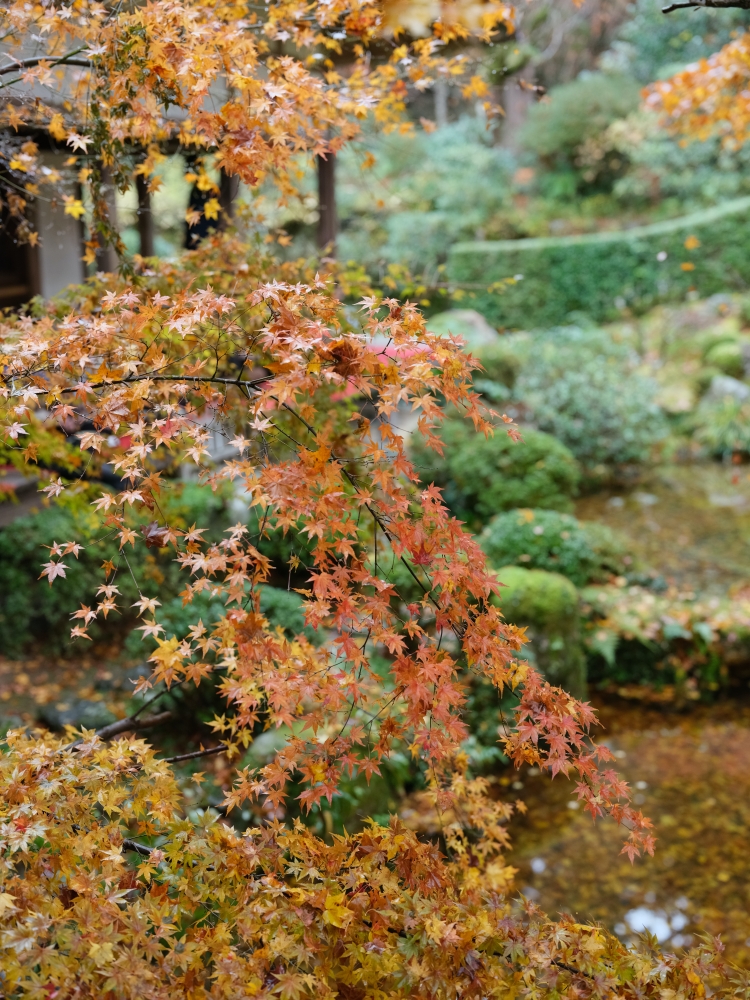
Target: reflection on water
x=691, y=776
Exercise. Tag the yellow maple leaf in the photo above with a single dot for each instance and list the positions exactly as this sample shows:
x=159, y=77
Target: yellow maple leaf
x=212, y=208
x=7, y=903
x=56, y=127
x=335, y=914
x=476, y=87
x=73, y=206
x=101, y=953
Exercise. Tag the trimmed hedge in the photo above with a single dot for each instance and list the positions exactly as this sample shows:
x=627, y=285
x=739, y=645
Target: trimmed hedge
x=602, y=273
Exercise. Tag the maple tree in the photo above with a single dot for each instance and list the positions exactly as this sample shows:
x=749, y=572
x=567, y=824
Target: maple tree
x=710, y=96
x=108, y=884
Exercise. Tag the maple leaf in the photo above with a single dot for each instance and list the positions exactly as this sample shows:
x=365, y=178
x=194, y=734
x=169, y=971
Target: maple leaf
x=146, y=604
x=156, y=535
x=54, y=489
x=14, y=430
x=212, y=208
x=76, y=141
x=73, y=206
x=52, y=570
x=151, y=628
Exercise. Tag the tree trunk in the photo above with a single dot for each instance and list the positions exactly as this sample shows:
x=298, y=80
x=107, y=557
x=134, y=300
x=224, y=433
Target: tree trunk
x=145, y=217
x=229, y=185
x=517, y=100
x=327, y=222
x=106, y=256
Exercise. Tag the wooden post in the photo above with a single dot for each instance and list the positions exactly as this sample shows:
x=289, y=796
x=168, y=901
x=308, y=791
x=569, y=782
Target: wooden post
x=145, y=217
x=327, y=222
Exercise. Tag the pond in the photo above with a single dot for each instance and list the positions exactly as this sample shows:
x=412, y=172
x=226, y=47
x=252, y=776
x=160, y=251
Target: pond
x=690, y=773
x=691, y=776
x=691, y=523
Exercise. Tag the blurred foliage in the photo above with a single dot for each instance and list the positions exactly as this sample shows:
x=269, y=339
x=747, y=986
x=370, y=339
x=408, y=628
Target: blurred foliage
x=573, y=115
x=584, y=388
x=666, y=173
x=34, y=614
x=605, y=275
x=424, y=191
x=546, y=539
x=684, y=647
x=723, y=426
x=482, y=476
x=651, y=46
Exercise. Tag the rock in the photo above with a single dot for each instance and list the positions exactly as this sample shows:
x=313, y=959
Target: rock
x=466, y=323
x=724, y=385
x=547, y=604
x=79, y=714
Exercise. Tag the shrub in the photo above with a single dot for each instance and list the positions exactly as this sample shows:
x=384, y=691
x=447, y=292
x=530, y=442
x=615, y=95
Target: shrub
x=32, y=612
x=723, y=426
x=575, y=113
x=636, y=636
x=547, y=604
x=545, y=539
x=583, y=388
x=482, y=476
x=282, y=608
x=501, y=364
x=600, y=274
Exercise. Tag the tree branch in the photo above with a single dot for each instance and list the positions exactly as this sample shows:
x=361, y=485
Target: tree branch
x=124, y=726
x=132, y=845
x=166, y=378
x=717, y=4
x=197, y=753
x=131, y=724
x=66, y=60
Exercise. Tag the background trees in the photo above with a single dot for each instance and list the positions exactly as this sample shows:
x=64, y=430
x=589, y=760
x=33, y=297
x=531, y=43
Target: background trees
x=112, y=883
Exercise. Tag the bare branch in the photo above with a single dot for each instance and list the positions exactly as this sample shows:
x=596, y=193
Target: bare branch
x=130, y=724
x=197, y=753
x=132, y=845
x=166, y=378
x=124, y=726
x=717, y=4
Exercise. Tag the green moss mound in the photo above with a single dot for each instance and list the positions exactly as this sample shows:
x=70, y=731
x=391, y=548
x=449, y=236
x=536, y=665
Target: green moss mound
x=482, y=476
x=547, y=604
x=584, y=552
x=728, y=357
